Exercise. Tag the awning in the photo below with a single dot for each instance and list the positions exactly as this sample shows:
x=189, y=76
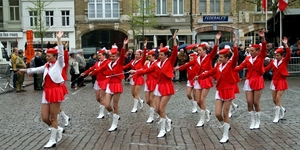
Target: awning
x=167, y=32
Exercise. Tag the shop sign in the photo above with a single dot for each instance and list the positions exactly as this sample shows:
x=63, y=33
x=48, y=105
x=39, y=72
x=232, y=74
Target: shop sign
x=215, y=18
x=11, y=34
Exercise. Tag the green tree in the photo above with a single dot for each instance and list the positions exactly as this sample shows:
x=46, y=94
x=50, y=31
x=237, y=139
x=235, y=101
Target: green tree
x=37, y=10
x=142, y=18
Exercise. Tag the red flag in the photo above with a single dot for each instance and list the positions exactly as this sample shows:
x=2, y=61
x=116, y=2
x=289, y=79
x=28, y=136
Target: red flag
x=282, y=4
x=264, y=5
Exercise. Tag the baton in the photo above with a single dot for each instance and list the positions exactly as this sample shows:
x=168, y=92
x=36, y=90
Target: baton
x=116, y=74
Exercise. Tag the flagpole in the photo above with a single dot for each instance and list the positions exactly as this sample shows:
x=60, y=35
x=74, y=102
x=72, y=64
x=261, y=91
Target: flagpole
x=266, y=15
x=280, y=30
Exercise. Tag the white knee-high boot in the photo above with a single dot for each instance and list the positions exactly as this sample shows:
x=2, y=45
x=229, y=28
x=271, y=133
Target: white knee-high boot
x=282, y=111
x=202, y=118
x=114, y=125
x=141, y=103
x=135, y=103
x=194, y=106
x=59, y=133
x=162, y=131
x=230, y=111
x=257, y=120
x=52, y=140
x=168, y=124
x=207, y=114
x=101, y=112
x=151, y=115
x=277, y=112
x=252, y=120
x=225, y=137
x=66, y=118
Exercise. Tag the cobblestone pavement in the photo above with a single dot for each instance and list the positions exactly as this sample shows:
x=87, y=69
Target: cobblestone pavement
x=21, y=127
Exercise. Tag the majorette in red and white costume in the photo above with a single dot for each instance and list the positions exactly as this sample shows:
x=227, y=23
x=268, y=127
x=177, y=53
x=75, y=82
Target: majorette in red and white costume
x=53, y=81
x=138, y=80
x=191, y=73
x=255, y=69
x=114, y=72
x=164, y=85
x=225, y=77
x=279, y=83
x=254, y=80
x=150, y=83
x=101, y=80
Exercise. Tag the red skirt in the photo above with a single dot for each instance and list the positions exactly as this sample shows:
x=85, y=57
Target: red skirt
x=166, y=89
x=206, y=83
x=116, y=87
x=138, y=80
x=151, y=84
x=280, y=85
x=102, y=84
x=55, y=93
x=256, y=83
x=227, y=94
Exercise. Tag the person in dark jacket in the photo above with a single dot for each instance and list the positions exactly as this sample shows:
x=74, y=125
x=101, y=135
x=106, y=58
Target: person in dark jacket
x=128, y=57
x=241, y=58
x=92, y=62
x=38, y=78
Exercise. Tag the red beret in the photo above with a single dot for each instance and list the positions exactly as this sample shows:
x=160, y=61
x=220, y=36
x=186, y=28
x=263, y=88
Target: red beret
x=279, y=50
x=224, y=51
x=256, y=46
x=113, y=51
x=202, y=45
x=193, y=54
x=139, y=51
x=151, y=52
x=52, y=51
x=102, y=51
x=164, y=49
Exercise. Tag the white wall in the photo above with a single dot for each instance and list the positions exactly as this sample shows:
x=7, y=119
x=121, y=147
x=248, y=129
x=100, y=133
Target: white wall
x=57, y=6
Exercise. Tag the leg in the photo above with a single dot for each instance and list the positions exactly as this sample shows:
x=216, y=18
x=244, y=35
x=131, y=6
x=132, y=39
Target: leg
x=114, y=126
x=101, y=107
x=204, y=93
x=226, y=106
x=135, y=100
x=279, y=110
x=137, y=90
x=257, y=95
x=274, y=93
x=162, y=109
x=194, y=103
x=149, y=100
x=54, y=111
x=249, y=97
x=46, y=114
x=107, y=102
x=218, y=110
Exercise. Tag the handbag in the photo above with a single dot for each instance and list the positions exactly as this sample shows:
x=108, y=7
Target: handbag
x=72, y=70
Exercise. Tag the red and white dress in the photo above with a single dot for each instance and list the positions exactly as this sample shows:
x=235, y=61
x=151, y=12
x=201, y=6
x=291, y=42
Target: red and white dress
x=225, y=78
x=280, y=72
x=53, y=81
x=101, y=80
x=164, y=69
x=203, y=64
x=255, y=70
x=115, y=70
x=152, y=77
x=136, y=65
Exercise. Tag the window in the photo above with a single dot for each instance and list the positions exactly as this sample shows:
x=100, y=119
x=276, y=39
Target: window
x=49, y=18
x=144, y=7
x=202, y=6
x=161, y=7
x=33, y=18
x=214, y=6
x=103, y=9
x=14, y=9
x=227, y=6
x=178, y=7
x=65, y=17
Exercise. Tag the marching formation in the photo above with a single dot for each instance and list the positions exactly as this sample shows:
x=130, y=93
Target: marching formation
x=157, y=66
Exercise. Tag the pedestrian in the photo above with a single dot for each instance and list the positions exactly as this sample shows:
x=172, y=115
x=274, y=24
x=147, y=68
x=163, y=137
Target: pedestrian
x=38, y=78
x=279, y=82
x=101, y=80
x=137, y=82
x=13, y=58
x=128, y=57
x=150, y=83
x=225, y=86
x=164, y=88
x=54, y=89
x=191, y=74
x=82, y=64
x=114, y=88
x=20, y=64
x=182, y=59
x=254, y=83
x=74, y=71
x=203, y=63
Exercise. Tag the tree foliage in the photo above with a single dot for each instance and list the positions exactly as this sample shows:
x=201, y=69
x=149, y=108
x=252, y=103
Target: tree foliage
x=143, y=19
x=39, y=27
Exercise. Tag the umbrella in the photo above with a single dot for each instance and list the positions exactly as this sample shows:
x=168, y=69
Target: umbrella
x=191, y=46
x=222, y=45
x=183, y=46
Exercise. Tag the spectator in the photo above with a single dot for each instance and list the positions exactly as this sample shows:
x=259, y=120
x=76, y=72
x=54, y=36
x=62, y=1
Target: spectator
x=241, y=58
x=74, y=75
x=82, y=64
x=20, y=64
x=268, y=74
x=128, y=57
x=270, y=50
x=92, y=61
x=14, y=67
x=38, y=78
x=296, y=49
x=182, y=59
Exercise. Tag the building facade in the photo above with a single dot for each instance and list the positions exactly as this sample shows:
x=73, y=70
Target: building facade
x=11, y=34
x=57, y=15
x=100, y=23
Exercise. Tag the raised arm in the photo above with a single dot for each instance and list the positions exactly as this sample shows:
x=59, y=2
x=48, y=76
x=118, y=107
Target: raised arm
x=263, y=52
x=60, y=57
x=122, y=53
x=145, y=52
x=235, y=52
x=287, y=51
x=175, y=49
